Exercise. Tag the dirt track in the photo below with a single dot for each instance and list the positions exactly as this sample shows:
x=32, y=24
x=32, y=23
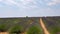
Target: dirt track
x=4, y=33
x=43, y=27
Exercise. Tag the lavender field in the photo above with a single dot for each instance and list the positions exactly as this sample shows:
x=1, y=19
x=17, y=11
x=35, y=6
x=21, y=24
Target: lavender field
x=29, y=25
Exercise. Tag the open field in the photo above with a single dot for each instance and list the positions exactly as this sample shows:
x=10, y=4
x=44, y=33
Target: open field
x=23, y=25
x=52, y=24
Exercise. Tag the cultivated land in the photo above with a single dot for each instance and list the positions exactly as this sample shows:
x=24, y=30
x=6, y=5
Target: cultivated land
x=52, y=24
x=22, y=25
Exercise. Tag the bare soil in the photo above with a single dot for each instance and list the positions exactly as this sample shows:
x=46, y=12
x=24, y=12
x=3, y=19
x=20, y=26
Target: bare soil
x=4, y=32
x=43, y=26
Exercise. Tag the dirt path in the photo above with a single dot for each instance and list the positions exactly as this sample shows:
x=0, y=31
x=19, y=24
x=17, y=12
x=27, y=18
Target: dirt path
x=43, y=26
x=4, y=33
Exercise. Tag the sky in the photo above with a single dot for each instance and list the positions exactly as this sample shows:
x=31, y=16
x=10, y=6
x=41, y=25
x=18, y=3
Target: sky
x=31, y=8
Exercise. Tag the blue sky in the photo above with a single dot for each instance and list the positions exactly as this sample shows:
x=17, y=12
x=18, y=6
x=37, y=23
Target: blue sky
x=31, y=8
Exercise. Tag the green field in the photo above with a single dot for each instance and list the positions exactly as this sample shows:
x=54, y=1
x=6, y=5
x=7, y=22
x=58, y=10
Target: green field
x=52, y=24
x=20, y=25
x=29, y=25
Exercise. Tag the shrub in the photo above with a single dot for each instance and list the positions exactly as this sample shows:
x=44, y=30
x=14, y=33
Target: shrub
x=16, y=29
x=55, y=30
x=3, y=27
x=34, y=30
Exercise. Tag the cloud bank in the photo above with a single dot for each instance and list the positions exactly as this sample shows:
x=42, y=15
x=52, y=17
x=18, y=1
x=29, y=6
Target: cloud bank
x=29, y=7
x=54, y=2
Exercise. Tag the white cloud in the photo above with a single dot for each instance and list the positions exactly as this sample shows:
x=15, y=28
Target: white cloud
x=30, y=8
x=46, y=0
x=54, y=2
x=9, y=2
x=1, y=0
x=21, y=3
x=26, y=1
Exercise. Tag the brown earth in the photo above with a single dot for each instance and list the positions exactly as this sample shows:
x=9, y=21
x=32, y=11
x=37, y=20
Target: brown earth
x=43, y=27
x=4, y=33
